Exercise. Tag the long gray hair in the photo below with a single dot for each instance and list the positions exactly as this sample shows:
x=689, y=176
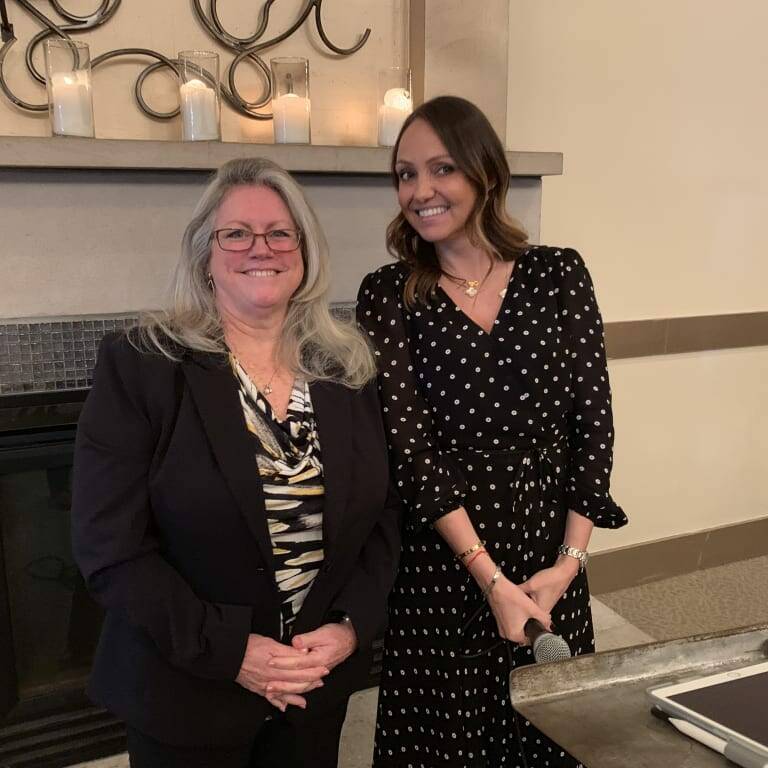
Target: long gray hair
x=313, y=343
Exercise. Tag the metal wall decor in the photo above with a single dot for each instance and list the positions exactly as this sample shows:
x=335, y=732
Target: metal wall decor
x=244, y=49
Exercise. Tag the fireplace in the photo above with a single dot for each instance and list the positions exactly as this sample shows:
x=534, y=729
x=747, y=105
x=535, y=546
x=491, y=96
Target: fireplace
x=49, y=625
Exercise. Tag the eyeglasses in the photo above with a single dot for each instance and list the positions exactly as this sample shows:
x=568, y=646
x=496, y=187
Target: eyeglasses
x=277, y=240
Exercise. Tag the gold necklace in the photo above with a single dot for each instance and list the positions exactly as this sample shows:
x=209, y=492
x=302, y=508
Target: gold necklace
x=471, y=287
x=503, y=291
x=267, y=390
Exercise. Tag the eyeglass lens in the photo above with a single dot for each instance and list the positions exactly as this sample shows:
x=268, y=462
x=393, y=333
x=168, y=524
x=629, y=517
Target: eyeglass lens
x=243, y=239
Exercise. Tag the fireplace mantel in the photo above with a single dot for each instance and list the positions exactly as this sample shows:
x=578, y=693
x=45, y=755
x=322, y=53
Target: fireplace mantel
x=129, y=154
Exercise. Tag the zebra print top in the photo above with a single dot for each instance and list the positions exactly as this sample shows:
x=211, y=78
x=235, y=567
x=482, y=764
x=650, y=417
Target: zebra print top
x=290, y=466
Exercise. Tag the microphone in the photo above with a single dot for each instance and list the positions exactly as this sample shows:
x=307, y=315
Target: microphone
x=546, y=645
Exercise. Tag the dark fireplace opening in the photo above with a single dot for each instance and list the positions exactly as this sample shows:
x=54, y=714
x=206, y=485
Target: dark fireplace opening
x=49, y=625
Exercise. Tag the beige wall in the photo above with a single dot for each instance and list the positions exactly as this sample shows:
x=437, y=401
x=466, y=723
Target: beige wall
x=660, y=110
x=460, y=48
x=690, y=443
x=105, y=241
x=343, y=90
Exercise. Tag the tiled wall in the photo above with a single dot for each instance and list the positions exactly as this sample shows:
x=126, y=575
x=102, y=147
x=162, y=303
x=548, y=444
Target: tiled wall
x=48, y=355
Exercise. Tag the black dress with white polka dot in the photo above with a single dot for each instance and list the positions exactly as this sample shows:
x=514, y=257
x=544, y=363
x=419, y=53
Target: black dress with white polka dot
x=516, y=426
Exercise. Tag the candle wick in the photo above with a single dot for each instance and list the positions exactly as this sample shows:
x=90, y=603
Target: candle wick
x=289, y=79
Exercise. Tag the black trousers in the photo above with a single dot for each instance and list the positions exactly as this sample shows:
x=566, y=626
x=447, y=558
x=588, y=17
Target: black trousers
x=279, y=744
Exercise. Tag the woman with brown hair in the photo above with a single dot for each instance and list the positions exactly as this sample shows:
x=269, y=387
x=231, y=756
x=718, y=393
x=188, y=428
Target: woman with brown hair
x=497, y=408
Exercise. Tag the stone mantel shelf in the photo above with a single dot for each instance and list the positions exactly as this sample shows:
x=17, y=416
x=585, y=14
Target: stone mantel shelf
x=130, y=154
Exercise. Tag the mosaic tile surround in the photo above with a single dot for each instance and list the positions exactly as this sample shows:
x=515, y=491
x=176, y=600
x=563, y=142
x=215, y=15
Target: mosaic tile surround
x=49, y=355
x=45, y=355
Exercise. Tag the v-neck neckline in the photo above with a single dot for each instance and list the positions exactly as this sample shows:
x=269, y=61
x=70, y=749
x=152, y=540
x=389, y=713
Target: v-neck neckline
x=494, y=324
x=257, y=396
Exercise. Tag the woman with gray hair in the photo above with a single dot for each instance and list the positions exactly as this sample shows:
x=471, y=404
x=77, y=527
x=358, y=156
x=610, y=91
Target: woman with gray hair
x=242, y=543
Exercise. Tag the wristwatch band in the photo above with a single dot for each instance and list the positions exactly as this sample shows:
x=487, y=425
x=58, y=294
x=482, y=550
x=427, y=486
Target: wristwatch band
x=579, y=554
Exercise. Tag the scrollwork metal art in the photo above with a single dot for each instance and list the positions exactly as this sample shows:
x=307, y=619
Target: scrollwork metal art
x=245, y=49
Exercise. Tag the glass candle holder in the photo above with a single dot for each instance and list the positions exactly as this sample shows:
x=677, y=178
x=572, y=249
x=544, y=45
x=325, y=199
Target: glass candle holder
x=395, y=103
x=290, y=100
x=199, y=96
x=68, y=80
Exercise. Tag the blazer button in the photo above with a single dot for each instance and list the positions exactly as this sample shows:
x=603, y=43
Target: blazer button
x=327, y=567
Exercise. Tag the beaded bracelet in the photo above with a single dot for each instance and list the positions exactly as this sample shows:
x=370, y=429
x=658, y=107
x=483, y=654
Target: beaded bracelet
x=478, y=545
x=492, y=583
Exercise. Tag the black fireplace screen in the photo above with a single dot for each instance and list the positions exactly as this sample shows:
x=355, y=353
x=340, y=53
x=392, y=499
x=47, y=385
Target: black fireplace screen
x=54, y=622
x=49, y=625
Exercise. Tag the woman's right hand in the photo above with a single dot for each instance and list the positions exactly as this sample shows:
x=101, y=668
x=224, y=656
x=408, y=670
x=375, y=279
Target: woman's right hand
x=279, y=686
x=512, y=608
x=510, y=605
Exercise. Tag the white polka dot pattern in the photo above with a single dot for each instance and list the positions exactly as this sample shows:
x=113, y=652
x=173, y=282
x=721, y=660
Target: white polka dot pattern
x=539, y=377
x=515, y=425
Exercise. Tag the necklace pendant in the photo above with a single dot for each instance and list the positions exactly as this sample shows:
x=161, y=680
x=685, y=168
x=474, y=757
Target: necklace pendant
x=268, y=390
x=471, y=289
x=503, y=292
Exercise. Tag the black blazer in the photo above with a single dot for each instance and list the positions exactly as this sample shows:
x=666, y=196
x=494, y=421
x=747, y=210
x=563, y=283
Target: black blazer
x=169, y=529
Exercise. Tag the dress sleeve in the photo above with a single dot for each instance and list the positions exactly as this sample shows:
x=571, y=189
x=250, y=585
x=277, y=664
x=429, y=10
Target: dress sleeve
x=590, y=434
x=428, y=480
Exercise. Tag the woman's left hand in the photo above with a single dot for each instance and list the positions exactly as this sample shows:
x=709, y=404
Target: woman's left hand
x=547, y=586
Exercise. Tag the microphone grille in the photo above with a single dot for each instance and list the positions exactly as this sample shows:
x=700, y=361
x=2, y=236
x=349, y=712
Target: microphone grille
x=549, y=647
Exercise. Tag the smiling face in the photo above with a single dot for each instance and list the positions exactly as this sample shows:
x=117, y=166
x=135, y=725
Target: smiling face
x=435, y=196
x=256, y=282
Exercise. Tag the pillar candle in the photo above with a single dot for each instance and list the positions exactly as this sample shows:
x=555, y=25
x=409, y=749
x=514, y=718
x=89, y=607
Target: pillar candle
x=199, y=112
x=392, y=113
x=71, y=103
x=290, y=115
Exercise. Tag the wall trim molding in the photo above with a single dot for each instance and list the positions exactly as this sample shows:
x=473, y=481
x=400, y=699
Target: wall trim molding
x=664, y=558
x=677, y=335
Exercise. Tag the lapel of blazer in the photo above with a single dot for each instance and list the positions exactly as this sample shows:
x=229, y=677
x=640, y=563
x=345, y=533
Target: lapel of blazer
x=333, y=412
x=214, y=390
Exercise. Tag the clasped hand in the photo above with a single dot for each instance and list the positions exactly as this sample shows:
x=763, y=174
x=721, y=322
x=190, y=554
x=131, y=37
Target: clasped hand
x=548, y=585
x=513, y=604
x=281, y=672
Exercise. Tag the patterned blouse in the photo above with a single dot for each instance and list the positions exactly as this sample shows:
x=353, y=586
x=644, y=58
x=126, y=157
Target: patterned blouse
x=291, y=470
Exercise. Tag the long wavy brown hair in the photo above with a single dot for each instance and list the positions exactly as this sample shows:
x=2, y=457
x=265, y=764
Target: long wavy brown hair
x=477, y=151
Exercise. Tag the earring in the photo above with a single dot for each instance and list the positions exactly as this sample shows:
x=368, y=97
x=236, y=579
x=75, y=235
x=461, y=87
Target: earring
x=211, y=284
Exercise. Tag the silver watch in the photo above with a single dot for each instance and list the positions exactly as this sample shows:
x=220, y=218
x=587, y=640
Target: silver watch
x=579, y=554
